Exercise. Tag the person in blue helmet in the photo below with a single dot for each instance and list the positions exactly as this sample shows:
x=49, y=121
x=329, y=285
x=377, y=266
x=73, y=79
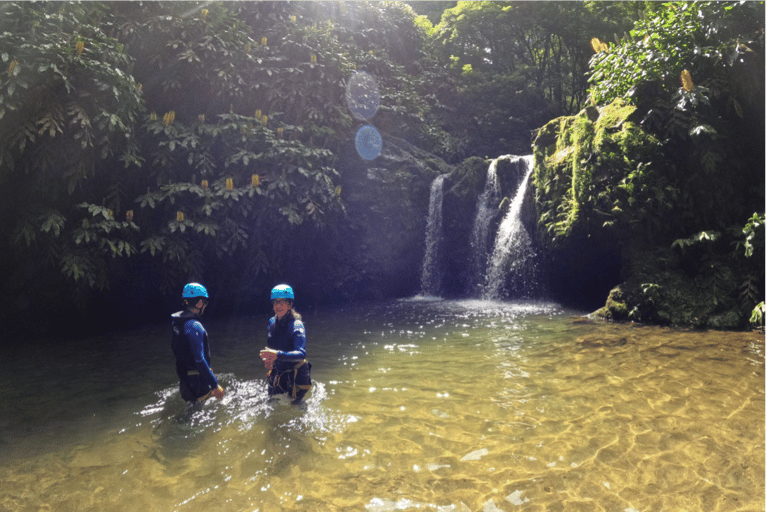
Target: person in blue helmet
x=285, y=354
x=190, y=346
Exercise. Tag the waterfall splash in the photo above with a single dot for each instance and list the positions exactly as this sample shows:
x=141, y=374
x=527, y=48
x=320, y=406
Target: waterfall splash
x=487, y=206
x=512, y=249
x=432, y=268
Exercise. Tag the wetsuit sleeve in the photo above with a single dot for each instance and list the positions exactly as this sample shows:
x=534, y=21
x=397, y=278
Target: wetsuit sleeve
x=299, y=343
x=195, y=334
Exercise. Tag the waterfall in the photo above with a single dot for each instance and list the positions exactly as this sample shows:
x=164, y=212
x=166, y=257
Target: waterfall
x=512, y=249
x=432, y=268
x=487, y=206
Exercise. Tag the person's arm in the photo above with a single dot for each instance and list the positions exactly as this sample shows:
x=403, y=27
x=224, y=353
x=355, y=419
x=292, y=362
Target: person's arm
x=267, y=354
x=196, y=333
x=299, y=351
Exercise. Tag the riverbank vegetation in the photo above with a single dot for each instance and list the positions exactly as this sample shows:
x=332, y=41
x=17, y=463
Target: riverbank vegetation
x=143, y=145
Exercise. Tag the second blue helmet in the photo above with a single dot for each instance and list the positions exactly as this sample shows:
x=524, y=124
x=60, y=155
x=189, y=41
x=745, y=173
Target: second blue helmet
x=193, y=290
x=281, y=291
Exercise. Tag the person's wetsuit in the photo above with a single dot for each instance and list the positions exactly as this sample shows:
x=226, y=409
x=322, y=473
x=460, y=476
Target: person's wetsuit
x=193, y=357
x=290, y=372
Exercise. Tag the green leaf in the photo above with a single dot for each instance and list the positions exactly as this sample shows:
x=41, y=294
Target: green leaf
x=52, y=222
x=153, y=244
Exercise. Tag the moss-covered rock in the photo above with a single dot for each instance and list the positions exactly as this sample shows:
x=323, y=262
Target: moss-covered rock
x=603, y=198
x=597, y=172
x=467, y=179
x=658, y=291
x=590, y=172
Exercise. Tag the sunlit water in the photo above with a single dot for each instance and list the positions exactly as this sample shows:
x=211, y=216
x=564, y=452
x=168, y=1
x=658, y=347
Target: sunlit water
x=418, y=405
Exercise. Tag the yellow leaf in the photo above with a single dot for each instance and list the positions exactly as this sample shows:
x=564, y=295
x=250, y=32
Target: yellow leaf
x=687, y=81
x=599, y=46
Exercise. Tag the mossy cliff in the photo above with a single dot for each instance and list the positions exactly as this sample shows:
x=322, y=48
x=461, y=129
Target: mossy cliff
x=602, y=193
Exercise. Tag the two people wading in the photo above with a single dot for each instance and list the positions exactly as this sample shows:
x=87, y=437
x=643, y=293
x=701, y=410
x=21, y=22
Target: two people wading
x=288, y=371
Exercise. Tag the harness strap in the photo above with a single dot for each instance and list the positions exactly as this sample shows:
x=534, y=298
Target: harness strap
x=295, y=370
x=205, y=396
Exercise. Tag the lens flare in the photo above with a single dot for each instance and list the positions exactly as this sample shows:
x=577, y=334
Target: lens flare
x=368, y=142
x=362, y=96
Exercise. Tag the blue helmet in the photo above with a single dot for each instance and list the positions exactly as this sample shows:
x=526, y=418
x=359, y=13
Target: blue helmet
x=282, y=291
x=193, y=290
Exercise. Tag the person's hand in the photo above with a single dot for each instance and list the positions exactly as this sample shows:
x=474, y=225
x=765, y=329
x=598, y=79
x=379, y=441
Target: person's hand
x=218, y=393
x=268, y=356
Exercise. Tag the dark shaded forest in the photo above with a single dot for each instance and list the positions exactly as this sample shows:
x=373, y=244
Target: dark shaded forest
x=144, y=145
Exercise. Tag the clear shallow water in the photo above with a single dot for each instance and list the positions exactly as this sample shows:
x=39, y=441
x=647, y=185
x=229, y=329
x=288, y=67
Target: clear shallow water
x=418, y=405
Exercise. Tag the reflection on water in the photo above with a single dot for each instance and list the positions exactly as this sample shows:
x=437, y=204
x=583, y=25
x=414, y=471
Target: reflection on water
x=419, y=404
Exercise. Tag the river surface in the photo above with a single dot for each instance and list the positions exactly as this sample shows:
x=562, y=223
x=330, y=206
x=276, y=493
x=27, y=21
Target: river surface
x=417, y=405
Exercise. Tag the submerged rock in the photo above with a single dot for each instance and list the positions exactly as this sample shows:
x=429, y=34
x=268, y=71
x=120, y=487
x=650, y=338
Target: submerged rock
x=601, y=342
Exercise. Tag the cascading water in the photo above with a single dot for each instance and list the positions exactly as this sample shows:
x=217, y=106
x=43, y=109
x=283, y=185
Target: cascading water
x=432, y=267
x=487, y=206
x=512, y=249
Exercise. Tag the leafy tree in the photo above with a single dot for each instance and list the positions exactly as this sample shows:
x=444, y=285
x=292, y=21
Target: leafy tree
x=183, y=138
x=516, y=65
x=241, y=163
x=432, y=11
x=695, y=70
x=68, y=112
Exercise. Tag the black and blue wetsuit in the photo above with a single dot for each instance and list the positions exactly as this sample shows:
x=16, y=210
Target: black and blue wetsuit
x=290, y=372
x=193, y=357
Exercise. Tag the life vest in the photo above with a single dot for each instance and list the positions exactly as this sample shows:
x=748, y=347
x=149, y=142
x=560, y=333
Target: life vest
x=280, y=333
x=185, y=361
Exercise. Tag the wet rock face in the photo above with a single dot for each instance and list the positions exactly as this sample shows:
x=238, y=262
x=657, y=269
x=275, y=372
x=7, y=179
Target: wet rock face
x=583, y=165
x=380, y=244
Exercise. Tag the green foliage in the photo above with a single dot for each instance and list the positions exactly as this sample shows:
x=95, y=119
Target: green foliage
x=707, y=123
x=600, y=171
x=248, y=182
x=180, y=140
x=754, y=236
x=703, y=237
x=430, y=12
x=68, y=101
x=74, y=132
x=737, y=277
x=545, y=41
x=758, y=316
x=753, y=245
x=704, y=38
